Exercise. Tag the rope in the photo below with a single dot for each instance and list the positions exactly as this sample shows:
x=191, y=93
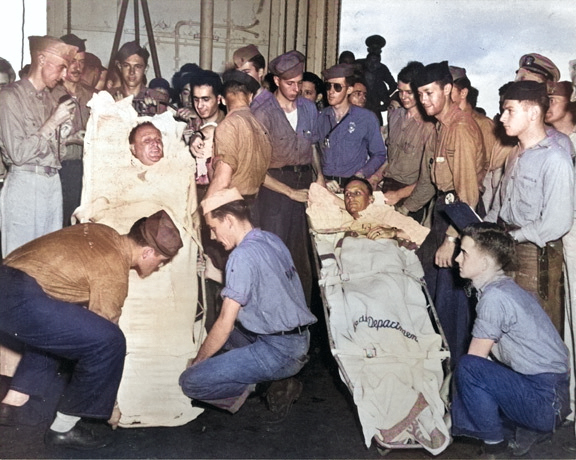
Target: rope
x=23, y=23
x=69, y=17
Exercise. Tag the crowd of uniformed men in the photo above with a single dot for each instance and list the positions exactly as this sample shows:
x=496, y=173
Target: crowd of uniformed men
x=261, y=134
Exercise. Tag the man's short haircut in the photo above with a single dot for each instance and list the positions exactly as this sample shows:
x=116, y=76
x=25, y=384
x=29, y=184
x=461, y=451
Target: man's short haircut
x=351, y=80
x=208, y=78
x=572, y=110
x=132, y=136
x=258, y=62
x=363, y=180
x=269, y=83
x=234, y=87
x=6, y=68
x=315, y=80
x=130, y=48
x=494, y=240
x=184, y=76
x=237, y=208
x=357, y=78
x=462, y=83
x=472, y=96
x=409, y=73
x=136, y=232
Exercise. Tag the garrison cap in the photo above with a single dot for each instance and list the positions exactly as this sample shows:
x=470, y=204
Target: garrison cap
x=240, y=77
x=431, y=73
x=288, y=65
x=52, y=45
x=526, y=90
x=457, y=72
x=160, y=232
x=74, y=40
x=244, y=54
x=541, y=65
x=338, y=71
x=559, y=88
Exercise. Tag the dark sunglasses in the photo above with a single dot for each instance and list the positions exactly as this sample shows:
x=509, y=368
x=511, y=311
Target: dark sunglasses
x=337, y=86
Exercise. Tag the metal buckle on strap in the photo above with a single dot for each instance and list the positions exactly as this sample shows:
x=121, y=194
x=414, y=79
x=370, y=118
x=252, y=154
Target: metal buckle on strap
x=43, y=170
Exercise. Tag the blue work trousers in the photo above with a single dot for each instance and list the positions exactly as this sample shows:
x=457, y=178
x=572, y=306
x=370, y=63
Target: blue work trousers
x=52, y=329
x=226, y=380
x=454, y=308
x=489, y=397
x=286, y=218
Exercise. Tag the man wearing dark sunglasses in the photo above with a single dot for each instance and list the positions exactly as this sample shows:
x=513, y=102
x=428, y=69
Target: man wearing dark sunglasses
x=349, y=136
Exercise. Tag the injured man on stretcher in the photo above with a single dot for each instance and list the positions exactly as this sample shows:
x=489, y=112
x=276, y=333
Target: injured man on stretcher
x=361, y=213
x=381, y=333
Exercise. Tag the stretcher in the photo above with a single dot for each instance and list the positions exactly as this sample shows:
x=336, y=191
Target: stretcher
x=383, y=330
x=161, y=317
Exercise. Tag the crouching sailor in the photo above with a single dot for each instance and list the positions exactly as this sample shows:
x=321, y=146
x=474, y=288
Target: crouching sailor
x=61, y=296
x=263, y=324
x=525, y=387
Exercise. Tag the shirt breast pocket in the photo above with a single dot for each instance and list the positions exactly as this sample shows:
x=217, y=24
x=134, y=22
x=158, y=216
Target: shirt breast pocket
x=408, y=149
x=449, y=153
x=529, y=196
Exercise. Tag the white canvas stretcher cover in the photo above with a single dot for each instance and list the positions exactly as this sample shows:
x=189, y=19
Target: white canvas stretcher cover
x=383, y=339
x=158, y=317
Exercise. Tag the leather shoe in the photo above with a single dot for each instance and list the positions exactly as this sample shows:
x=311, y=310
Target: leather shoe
x=8, y=414
x=19, y=415
x=494, y=451
x=80, y=437
x=525, y=439
x=281, y=395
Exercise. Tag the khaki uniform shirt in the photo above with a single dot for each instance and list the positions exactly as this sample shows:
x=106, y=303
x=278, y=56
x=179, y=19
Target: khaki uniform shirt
x=459, y=158
x=411, y=143
x=23, y=112
x=243, y=143
x=86, y=264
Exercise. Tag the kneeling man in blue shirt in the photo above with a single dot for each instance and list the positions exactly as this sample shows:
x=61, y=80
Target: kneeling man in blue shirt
x=263, y=324
x=525, y=386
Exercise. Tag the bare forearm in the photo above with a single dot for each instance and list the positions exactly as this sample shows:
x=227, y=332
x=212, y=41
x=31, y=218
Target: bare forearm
x=480, y=347
x=221, y=179
x=276, y=186
x=214, y=342
x=317, y=165
x=220, y=332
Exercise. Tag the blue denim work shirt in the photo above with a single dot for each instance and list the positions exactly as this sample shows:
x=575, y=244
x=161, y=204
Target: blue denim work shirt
x=355, y=145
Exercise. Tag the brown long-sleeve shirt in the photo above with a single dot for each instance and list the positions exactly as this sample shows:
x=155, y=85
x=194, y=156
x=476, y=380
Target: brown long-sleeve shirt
x=86, y=264
x=459, y=158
